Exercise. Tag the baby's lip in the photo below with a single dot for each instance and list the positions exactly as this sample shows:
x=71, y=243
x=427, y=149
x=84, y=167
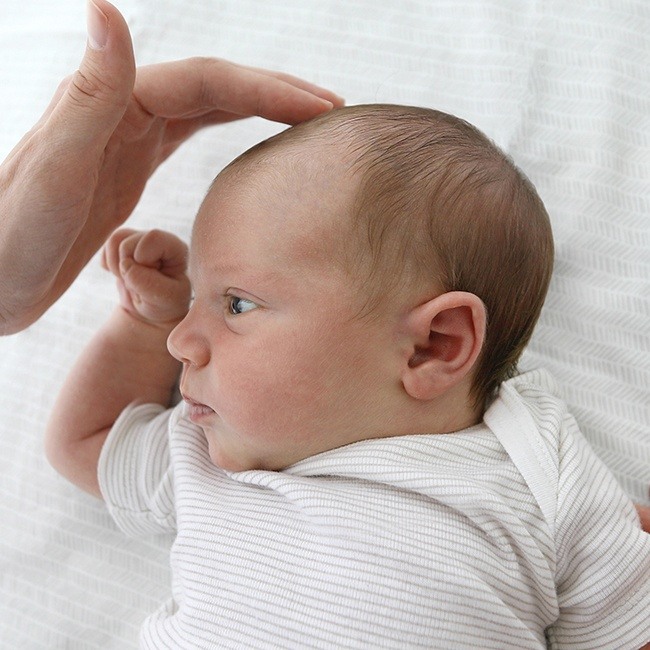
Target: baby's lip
x=196, y=410
x=190, y=400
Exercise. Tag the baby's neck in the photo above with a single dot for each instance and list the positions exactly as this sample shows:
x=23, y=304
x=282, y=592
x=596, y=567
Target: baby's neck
x=451, y=412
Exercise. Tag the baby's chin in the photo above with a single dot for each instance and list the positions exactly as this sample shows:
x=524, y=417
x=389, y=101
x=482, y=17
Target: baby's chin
x=229, y=462
x=238, y=462
x=228, y=450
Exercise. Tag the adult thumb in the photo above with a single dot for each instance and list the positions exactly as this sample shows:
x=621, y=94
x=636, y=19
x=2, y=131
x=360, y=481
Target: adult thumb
x=97, y=95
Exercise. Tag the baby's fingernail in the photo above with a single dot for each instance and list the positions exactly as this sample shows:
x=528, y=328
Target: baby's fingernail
x=97, y=24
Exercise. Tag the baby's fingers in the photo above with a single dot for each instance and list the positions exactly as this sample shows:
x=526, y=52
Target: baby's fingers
x=150, y=267
x=160, y=250
x=110, y=259
x=153, y=295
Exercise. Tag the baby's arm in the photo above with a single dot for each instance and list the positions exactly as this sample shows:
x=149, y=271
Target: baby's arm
x=127, y=360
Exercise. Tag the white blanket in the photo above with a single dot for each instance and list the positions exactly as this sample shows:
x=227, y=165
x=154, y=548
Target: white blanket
x=563, y=86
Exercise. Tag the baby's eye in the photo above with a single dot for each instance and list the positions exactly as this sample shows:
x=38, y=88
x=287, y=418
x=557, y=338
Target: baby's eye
x=237, y=305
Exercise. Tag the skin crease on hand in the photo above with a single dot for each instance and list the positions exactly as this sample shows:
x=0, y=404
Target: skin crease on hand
x=106, y=130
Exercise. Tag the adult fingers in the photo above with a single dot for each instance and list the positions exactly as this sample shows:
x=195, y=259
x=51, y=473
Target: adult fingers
x=96, y=96
x=321, y=92
x=193, y=87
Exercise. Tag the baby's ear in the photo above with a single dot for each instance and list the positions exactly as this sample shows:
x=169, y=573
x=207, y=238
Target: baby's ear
x=446, y=336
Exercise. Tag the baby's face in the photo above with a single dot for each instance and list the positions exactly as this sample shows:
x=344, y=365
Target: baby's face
x=277, y=365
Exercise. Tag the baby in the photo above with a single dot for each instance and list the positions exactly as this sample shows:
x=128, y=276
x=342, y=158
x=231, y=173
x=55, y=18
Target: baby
x=362, y=284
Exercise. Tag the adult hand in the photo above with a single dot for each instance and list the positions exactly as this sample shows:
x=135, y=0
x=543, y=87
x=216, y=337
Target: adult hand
x=78, y=174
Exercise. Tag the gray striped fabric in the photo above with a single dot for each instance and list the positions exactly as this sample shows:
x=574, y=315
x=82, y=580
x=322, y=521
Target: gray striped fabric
x=562, y=86
x=417, y=541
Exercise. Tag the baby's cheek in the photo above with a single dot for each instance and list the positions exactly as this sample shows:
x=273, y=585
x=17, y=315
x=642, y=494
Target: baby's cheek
x=247, y=393
x=273, y=402
x=277, y=382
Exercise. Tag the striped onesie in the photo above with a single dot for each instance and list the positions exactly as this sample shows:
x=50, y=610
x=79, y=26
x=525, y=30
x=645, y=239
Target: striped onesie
x=509, y=534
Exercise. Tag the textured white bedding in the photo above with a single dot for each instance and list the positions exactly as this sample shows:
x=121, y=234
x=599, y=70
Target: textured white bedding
x=563, y=87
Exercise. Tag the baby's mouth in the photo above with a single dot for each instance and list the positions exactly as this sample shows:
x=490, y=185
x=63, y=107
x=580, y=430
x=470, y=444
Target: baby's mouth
x=196, y=411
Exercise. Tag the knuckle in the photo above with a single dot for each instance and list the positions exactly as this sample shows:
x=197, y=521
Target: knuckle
x=63, y=85
x=155, y=234
x=152, y=240
x=87, y=85
x=117, y=236
x=209, y=69
x=163, y=238
x=203, y=62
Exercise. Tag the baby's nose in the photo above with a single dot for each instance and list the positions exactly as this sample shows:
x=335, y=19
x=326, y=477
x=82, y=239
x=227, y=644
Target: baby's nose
x=186, y=344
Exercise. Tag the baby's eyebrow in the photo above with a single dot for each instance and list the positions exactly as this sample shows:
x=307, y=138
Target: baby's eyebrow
x=240, y=274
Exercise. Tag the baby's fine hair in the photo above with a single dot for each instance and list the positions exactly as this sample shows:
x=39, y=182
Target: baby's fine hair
x=440, y=207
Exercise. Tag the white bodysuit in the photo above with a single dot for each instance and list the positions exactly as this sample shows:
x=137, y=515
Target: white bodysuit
x=437, y=541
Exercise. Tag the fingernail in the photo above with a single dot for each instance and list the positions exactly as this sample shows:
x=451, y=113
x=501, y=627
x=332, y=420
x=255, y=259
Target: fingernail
x=97, y=26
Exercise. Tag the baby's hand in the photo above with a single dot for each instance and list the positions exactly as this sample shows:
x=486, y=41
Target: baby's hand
x=150, y=268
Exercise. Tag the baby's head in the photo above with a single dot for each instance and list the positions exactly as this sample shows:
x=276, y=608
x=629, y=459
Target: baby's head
x=438, y=207
x=427, y=252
